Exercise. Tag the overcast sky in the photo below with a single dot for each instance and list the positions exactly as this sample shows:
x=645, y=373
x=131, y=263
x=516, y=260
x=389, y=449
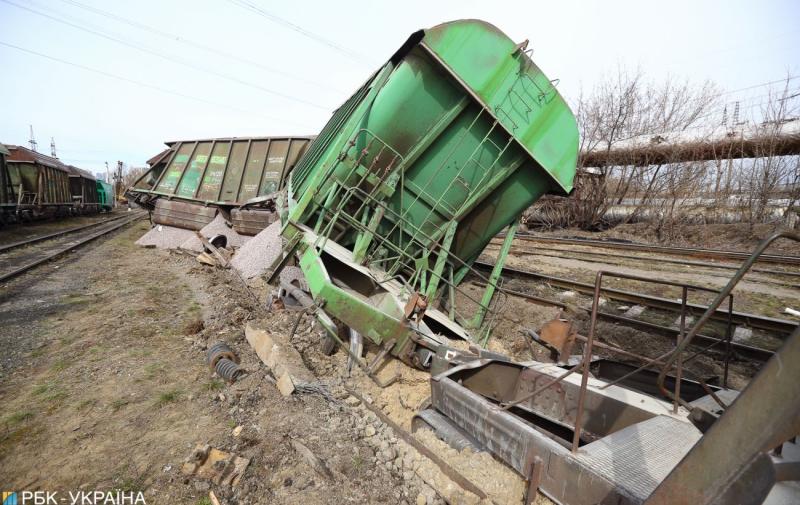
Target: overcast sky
x=165, y=70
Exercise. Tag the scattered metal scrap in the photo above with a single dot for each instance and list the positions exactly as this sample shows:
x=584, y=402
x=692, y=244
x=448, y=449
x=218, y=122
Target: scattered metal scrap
x=219, y=467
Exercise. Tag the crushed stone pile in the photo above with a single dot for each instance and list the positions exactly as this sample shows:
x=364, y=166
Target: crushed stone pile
x=216, y=227
x=165, y=237
x=257, y=254
x=294, y=275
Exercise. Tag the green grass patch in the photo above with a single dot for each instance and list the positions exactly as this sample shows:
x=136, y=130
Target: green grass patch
x=168, y=397
x=85, y=404
x=213, y=385
x=118, y=403
x=204, y=501
x=61, y=365
x=49, y=392
x=18, y=417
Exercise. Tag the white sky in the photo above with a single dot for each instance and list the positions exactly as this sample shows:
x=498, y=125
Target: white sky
x=96, y=118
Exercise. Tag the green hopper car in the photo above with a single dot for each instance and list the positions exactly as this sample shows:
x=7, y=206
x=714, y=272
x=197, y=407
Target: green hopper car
x=441, y=149
x=105, y=195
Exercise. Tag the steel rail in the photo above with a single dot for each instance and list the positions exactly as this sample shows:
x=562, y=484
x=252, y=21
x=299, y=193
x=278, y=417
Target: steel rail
x=48, y=236
x=748, y=351
x=713, y=307
x=782, y=326
x=567, y=254
x=28, y=266
x=681, y=251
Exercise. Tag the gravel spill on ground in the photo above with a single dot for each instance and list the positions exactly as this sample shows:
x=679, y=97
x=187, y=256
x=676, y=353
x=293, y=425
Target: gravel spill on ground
x=294, y=275
x=216, y=227
x=255, y=256
x=165, y=237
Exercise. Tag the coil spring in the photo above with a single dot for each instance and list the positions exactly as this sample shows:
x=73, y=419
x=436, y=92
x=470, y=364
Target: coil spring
x=219, y=351
x=228, y=370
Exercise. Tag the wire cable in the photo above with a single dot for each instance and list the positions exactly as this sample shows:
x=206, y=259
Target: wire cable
x=244, y=4
x=196, y=45
x=169, y=58
x=144, y=84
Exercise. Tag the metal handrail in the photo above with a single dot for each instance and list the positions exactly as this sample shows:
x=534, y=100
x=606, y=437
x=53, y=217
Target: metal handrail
x=587, y=350
x=671, y=356
x=715, y=305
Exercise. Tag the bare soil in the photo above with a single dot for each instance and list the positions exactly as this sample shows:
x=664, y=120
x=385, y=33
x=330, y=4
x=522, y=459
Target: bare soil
x=105, y=386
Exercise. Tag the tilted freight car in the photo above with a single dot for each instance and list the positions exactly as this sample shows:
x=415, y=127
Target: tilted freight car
x=187, y=183
x=105, y=195
x=83, y=187
x=38, y=186
x=441, y=149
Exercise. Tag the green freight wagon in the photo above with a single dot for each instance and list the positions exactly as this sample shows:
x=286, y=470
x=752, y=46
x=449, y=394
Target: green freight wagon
x=442, y=148
x=189, y=181
x=105, y=195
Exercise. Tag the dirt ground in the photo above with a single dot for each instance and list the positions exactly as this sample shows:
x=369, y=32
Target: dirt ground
x=104, y=386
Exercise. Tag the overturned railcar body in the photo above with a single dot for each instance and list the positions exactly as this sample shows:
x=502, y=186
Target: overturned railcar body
x=188, y=182
x=441, y=149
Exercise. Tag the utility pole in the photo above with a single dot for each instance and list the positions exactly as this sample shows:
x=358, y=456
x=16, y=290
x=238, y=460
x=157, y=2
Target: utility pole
x=32, y=141
x=53, y=147
x=117, y=180
x=108, y=177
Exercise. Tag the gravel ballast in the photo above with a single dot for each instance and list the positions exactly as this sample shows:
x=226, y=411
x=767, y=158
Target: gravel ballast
x=165, y=237
x=216, y=227
x=258, y=253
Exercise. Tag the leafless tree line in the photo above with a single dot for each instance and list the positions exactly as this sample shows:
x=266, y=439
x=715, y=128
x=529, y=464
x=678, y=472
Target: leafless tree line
x=669, y=188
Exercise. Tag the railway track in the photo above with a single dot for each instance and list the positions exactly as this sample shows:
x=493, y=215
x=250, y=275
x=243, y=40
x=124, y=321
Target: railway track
x=582, y=255
x=780, y=327
x=748, y=351
x=18, y=260
x=719, y=254
x=48, y=236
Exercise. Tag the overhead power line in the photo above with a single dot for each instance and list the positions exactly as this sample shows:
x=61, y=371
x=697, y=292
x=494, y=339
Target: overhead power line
x=169, y=58
x=245, y=4
x=176, y=38
x=144, y=84
x=785, y=79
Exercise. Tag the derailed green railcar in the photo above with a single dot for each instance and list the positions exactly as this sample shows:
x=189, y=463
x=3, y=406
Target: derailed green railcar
x=441, y=149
